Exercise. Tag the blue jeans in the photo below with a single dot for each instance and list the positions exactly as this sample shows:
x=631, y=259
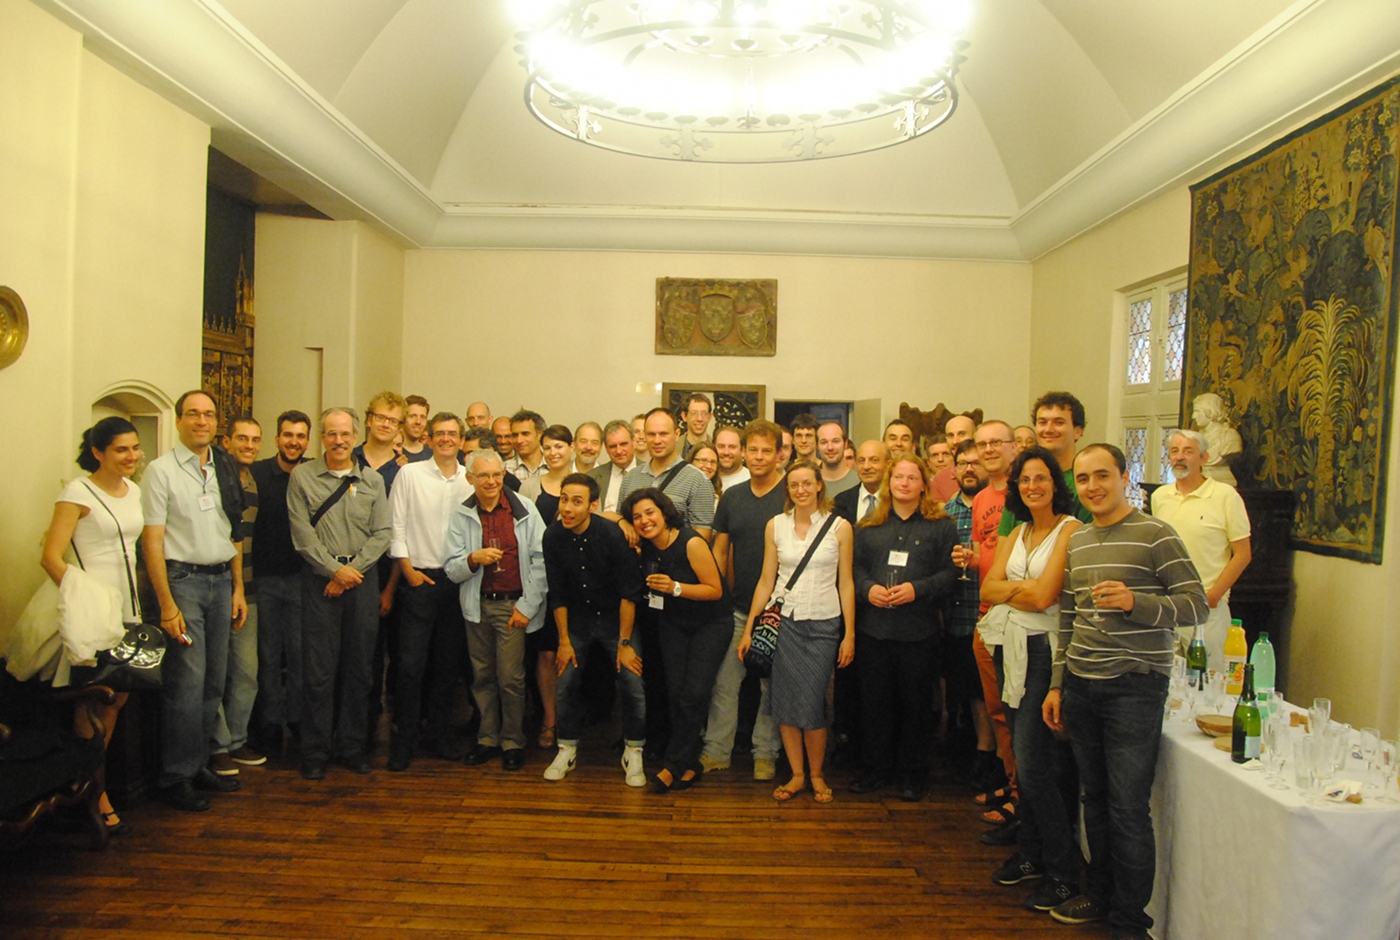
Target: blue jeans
x=337, y=643
x=1047, y=831
x=241, y=686
x=279, y=643
x=194, y=674
x=1115, y=726
x=586, y=635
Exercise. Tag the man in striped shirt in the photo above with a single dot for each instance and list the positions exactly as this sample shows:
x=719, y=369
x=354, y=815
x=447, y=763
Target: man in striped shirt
x=1128, y=585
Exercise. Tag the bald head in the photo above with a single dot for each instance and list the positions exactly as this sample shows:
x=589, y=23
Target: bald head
x=872, y=457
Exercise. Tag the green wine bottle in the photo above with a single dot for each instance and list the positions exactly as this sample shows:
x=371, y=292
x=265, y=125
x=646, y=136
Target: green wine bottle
x=1196, y=660
x=1244, y=744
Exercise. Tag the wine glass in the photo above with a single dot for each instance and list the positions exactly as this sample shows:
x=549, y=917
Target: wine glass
x=1276, y=740
x=496, y=544
x=1320, y=713
x=1389, y=756
x=1319, y=749
x=1094, y=615
x=1370, y=743
x=967, y=559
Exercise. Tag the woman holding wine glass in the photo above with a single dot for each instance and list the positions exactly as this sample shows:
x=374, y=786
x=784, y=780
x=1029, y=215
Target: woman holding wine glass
x=1027, y=574
x=907, y=541
x=100, y=516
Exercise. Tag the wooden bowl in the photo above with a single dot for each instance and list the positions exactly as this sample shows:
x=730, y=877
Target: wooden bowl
x=1216, y=726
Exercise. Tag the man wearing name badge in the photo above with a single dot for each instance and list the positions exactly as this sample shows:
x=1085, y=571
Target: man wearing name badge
x=340, y=522
x=430, y=620
x=495, y=554
x=1211, y=519
x=193, y=508
x=595, y=581
x=1129, y=585
x=617, y=438
x=740, y=523
x=278, y=708
x=957, y=429
x=871, y=460
x=730, y=453
x=831, y=446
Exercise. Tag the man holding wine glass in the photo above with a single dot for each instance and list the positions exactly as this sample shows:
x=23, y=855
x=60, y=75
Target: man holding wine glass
x=1108, y=684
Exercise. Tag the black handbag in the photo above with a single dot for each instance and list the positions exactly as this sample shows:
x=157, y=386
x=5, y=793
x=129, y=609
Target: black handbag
x=134, y=664
x=763, y=641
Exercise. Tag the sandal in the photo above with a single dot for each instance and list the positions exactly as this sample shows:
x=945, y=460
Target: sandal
x=822, y=794
x=993, y=797
x=1004, y=813
x=546, y=738
x=787, y=791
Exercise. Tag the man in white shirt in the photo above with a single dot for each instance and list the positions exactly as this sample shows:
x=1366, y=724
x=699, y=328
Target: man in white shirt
x=617, y=437
x=872, y=458
x=431, y=629
x=731, y=458
x=1211, y=519
x=831, y=446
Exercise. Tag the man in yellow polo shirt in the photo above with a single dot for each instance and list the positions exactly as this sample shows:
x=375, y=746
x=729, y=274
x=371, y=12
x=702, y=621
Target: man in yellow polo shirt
x=1210, y=518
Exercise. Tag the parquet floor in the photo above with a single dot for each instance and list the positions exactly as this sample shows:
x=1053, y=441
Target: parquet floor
x=447, y=851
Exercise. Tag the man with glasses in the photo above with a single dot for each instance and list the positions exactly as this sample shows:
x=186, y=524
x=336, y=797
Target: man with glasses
x=525, y=430
x=340, y=522
x=384, y=417
x=696, y=412
x=193, y=507
x=430, y=622
x=957, y=429
x=495, y=553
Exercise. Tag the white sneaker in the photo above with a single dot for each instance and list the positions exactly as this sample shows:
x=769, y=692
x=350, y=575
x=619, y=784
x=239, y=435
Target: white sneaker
x=563, y=763
x=632, y=766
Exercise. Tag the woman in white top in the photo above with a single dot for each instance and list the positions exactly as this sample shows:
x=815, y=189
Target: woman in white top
x=1026, y=575
x=818, y=626
x=100, y=515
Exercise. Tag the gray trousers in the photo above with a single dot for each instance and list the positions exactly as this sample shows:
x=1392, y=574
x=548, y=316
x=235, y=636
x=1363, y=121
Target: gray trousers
x=498, y=675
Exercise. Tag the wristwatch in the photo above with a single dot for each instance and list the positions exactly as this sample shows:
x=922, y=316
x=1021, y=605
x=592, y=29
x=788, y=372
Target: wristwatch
x=675, y=588
x=625, y=641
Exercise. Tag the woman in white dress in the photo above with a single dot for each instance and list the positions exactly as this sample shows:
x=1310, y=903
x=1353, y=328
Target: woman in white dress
x=100, y=515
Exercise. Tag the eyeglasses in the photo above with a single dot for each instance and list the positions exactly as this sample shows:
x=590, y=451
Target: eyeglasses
x=992, y=445
x=964, y=465
x=191, y=415
x=384, y=419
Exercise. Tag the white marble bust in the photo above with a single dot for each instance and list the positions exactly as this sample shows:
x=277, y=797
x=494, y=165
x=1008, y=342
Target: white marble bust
x=1209, y=415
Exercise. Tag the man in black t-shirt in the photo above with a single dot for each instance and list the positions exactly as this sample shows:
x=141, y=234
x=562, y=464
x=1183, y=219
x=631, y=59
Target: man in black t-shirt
x=739, y=524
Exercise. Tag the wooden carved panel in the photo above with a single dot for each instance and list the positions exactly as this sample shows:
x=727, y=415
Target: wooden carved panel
x=716, y=317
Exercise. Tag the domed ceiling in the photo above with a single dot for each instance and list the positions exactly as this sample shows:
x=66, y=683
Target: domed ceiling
x=409, y=114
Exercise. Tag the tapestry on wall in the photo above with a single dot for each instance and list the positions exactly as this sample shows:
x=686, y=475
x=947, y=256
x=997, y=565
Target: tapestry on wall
x=1292, y=316
x=227, y=364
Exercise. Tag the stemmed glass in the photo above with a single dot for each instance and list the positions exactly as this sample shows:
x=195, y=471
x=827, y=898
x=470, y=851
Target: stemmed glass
x=1319, y=749
x=967, y=559
x=1369, y=745
x=1389, y=754
x=1094, y=615
x=1274, y=758
x=496, y=544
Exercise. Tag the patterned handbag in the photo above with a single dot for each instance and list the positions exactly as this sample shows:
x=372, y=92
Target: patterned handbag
x=763, y=642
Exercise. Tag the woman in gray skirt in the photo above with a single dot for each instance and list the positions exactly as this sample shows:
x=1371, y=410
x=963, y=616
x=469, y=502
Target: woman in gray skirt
x=818, y=625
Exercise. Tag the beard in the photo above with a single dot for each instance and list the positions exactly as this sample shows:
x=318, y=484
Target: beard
x=1180, y=473
x=976, y=487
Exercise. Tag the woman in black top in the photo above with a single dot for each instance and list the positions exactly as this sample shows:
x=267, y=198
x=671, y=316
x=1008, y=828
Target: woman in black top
x=694, y=631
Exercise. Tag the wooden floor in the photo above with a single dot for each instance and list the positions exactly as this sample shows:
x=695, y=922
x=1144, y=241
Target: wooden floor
x=448, y=850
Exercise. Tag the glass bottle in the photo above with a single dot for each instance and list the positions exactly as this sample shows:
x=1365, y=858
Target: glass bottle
x=1244, y=741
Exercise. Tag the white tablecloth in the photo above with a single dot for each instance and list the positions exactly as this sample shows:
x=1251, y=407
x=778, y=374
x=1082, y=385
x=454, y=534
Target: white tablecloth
x=1236, y=859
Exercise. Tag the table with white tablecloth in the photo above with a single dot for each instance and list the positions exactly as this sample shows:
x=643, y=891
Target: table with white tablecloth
x=1237, y=859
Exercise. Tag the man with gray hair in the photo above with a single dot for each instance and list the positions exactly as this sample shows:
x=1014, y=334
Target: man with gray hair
x=340, y=520
x=617, y=437
x=495, y=552
x=1210, y=518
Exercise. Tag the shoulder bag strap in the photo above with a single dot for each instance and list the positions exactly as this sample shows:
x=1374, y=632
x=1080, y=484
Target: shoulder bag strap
x=670, y=475
x=802, y=565
x=126, y=559
x=345, y=483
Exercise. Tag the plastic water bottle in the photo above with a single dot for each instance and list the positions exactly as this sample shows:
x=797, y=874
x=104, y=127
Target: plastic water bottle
x=1262, y=659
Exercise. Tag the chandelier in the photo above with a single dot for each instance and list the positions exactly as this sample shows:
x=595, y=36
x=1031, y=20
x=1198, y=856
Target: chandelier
x=741, y=81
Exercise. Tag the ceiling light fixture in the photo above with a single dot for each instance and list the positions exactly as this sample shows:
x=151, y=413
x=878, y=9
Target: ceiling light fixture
x=742, y=81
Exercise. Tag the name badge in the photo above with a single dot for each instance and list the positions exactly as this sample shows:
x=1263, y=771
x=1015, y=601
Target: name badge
x=206, y=503
x=899, y=559
x=656, y=601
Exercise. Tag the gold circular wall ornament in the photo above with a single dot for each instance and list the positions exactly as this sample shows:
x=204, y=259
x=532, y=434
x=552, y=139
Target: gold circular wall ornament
x=14, y=326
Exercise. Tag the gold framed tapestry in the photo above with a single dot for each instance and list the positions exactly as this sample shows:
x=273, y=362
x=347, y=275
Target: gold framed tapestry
x=1291, y=317
x=716, y=317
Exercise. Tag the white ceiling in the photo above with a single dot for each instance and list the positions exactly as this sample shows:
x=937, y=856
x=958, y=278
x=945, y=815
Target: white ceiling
x=409, y=114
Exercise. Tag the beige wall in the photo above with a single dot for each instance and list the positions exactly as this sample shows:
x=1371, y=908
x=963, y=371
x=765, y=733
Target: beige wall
x=572, y=334
x=1343, y=638
x=102, y=234
x=329, y=315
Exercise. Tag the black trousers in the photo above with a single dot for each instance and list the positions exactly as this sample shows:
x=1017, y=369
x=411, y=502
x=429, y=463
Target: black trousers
x=898, y=680
x=431, y=635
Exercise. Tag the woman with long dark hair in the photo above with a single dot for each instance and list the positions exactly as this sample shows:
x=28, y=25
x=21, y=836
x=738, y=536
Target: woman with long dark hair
x=100, y=516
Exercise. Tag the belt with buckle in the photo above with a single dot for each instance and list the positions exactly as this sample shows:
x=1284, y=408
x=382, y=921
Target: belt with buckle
x=501, y=595
x=344, y=559
x=220, y=568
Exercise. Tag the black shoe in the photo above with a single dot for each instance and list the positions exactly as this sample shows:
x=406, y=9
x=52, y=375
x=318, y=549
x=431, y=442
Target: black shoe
x=1017, y=869
x=1050, y=893
x=513, y=759
x=399, y=758
x=206, y=779
x=1079, y=910
x=1004, y=834
x=121, y=828
x=313, y=769
x=355, y=763
x=182, y=797
x=912, y=790
x=443, y=748
x=868, y=784
x=481, y=754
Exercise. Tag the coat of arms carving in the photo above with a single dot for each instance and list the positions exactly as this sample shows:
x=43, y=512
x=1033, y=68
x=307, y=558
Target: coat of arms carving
x=716, y=317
